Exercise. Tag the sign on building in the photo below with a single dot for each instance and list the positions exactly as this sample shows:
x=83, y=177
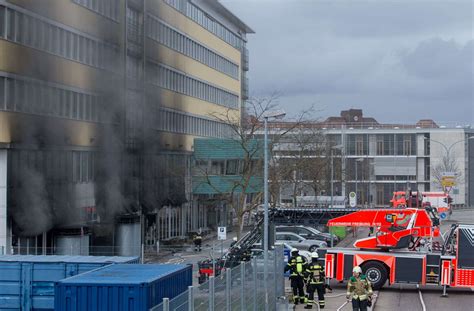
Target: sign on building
x=221, y=233
x=352, y=199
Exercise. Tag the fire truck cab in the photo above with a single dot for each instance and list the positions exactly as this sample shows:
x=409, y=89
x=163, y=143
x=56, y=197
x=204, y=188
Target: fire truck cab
x=452, y=265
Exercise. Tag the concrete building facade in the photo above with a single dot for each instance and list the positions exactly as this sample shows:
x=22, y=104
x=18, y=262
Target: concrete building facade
x=100, y=102
x=375, y=159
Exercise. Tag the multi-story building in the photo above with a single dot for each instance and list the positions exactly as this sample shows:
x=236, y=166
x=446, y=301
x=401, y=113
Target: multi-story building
x=224, y=172
x=375, y=159
x=100, y=101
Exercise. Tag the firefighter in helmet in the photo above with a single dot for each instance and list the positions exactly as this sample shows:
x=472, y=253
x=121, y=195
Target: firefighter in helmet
x=315, y=282
x=297, y=266
x=359, y=289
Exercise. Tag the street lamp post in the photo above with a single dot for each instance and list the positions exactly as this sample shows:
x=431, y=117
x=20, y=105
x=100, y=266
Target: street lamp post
x=332, y=172
x=357, y=178
x=274, y=115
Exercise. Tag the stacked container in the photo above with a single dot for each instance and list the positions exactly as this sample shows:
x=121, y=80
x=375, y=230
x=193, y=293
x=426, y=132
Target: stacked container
x=122, y=287
x=27, y=282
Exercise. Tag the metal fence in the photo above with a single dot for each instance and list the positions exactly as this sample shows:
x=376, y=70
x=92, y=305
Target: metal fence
x=243, y=287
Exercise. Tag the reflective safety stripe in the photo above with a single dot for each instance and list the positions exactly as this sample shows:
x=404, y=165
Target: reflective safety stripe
x=299, y=268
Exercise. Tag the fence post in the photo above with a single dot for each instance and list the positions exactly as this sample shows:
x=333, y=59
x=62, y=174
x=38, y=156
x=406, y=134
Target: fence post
x=166, y=304
x=255, y=287
x=211, y=293
x=275, y=274
x=242, y=286
x=190, y=298
x=228, y=288
x=282, y=276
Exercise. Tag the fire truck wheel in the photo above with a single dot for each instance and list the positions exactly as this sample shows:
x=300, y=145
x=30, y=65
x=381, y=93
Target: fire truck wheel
x=376, y=273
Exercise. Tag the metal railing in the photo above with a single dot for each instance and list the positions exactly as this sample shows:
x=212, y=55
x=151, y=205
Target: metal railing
x=239, y=288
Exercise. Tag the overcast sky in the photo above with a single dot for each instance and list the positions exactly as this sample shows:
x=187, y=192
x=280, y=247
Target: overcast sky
x=398, y=60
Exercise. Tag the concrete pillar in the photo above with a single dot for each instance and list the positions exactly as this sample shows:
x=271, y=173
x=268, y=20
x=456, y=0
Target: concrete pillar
x=4, y=230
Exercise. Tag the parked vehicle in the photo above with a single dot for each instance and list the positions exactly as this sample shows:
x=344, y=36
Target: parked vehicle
x=299, y=242
x=309, y=233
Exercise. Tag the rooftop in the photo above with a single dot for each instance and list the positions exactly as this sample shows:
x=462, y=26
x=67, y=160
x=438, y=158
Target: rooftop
x=354, y=119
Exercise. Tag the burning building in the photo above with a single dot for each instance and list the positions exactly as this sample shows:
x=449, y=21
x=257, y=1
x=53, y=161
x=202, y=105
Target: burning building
x=100, y=101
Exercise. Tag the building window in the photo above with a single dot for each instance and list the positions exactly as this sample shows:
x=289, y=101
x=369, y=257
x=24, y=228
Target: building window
x=407, y=146
x=107, y=8
x=217, y=168
x=203, y=19
x=232, y=167
x=380, y=145
x=185, y=45
x=181, y=83
x=39, y=34
x=359, y=145
x=179, y=122
x=20, y=94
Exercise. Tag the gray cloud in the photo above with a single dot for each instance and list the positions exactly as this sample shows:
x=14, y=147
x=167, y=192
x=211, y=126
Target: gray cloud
x=394, y=59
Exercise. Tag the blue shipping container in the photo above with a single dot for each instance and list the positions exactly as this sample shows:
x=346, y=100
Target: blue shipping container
x=122, y=287
x=27, y=282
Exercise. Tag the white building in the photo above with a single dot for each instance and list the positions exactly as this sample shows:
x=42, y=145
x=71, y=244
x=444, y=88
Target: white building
x=378, y=159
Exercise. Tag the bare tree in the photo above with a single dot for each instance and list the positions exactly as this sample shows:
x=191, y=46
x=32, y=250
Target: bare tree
x=244, y=193
x=448, y=164
x=299, y=160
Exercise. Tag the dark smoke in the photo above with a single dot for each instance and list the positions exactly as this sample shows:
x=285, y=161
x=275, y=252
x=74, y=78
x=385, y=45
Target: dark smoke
x=32, y=212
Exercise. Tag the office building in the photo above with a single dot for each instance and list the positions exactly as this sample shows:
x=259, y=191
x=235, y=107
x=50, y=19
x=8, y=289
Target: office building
x=100, y=101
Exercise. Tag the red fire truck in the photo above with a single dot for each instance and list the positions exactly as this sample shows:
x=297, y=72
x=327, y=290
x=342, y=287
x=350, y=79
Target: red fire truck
x=402, y=250
x=441, y=200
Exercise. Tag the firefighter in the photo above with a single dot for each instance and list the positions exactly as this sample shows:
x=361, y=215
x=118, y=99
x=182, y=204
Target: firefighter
x=197, y=242
x=315, y=282
x=297, y=267
x=359, y=289
x=234, y=241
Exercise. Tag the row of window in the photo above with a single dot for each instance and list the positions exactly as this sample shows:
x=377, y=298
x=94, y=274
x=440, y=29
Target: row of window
x=398, y=144
x=38, y=98
x=385, y=144
x=203, y=19
x=397, y=177
x=174, y=121
x=33, y=32
x=175, y=81
x=185, y=45
x=56, y=166
x=107, y=8
x=225, y=167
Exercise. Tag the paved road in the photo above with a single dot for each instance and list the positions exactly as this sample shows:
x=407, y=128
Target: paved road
x=210, y=248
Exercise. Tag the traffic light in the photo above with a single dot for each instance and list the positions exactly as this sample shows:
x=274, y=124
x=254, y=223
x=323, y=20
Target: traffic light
x=448, y=200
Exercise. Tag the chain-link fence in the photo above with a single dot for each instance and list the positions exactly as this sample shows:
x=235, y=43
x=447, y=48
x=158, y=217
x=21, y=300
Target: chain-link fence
x=243, y=287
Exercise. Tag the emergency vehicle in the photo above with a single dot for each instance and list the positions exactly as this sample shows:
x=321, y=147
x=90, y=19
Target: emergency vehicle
x=403, y=249
x=440, y=200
